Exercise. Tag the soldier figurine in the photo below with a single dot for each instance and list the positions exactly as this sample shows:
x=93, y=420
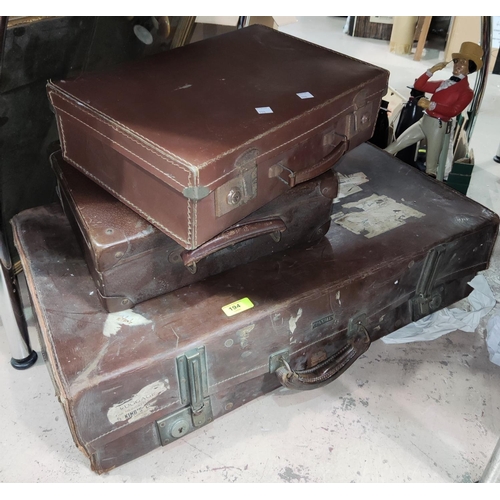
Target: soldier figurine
x=449, y=98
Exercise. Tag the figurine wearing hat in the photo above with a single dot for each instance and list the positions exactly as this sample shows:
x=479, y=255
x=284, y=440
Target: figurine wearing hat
x=449, y=98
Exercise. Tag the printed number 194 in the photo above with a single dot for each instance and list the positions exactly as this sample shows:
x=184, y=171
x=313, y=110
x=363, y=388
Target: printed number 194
x=237, y=307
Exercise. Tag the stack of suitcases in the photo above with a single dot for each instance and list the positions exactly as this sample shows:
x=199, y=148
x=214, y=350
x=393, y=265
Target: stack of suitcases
x=203, y=254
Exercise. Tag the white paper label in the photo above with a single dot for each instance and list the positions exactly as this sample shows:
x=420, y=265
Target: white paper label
x=375, y=215
x=264, y=111
x=305, y=95
x=139, y=405
x=349, y=184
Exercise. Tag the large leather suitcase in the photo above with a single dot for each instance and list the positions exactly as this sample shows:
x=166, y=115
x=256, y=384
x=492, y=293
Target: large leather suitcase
x=132, y=261
x=403, y=245
x=196, y=138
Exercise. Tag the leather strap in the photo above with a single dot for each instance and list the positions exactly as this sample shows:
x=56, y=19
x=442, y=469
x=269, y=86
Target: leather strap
x=329, y=369
x=231, y=237
x=318, y=168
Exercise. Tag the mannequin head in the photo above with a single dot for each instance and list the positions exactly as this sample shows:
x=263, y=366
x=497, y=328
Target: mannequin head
x=461, y=66
x=468, y=59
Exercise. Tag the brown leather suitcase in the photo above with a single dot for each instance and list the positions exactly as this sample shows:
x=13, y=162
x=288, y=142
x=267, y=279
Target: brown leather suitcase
x=196, y=138
x=132, y=261
x=402, y=246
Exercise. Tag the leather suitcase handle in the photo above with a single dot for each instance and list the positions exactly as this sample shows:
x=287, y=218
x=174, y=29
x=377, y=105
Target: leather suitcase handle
x=232, y=236
x=318, y=168
x=329, y=369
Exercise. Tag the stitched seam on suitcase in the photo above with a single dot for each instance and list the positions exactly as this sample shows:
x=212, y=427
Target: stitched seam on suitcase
x=128, y=136
x=121, y=197
x=125, y=425
x=203, y=165
x=274, y=149
x=287, y=123
x=123, y=147
x=174, y=156
x=277, y=147
x=189, y=214
x=229, y=151
x=193, y=227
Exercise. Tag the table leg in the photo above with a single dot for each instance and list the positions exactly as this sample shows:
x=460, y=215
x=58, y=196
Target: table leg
x=11, y=313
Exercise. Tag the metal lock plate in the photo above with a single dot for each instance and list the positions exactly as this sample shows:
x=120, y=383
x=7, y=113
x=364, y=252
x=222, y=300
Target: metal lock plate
x=193, y=389
x=362, y=118
x=423, y=305
x=183, y=422
x=236, y=192
x=240, y=189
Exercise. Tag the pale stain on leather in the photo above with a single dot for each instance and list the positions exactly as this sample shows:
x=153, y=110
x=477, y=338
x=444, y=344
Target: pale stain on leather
x=115, y=321
x=292, y=322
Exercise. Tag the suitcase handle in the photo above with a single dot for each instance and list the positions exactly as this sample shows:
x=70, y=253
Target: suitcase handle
x=329, y=369
x=318, y=168
x=231, y=236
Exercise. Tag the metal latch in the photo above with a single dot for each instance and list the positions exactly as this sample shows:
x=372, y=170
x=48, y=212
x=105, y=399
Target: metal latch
x=428, y=298
x=357, y=326
x=275, y=360
x=193, y=389
x=240, y=189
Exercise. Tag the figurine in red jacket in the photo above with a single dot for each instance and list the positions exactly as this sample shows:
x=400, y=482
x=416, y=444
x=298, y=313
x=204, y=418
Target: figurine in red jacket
x=449, y=98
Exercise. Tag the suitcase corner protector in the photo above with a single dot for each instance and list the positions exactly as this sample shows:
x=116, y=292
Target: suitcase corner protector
x=196, y=193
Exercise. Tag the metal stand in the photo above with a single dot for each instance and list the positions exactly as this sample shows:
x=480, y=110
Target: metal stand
x=12, y=315
x=492, y=472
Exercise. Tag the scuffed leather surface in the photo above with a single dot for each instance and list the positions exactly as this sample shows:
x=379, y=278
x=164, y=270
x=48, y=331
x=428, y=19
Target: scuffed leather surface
x=303, y=301
x=152, y=130
x=130, y=258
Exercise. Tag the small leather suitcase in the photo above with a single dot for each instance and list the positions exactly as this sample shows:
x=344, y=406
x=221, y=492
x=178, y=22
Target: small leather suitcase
x=132, y=261
x=196, y=138
x=402, y=246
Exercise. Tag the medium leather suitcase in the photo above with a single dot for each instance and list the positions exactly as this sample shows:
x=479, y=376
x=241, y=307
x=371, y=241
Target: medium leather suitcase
x=403, y=246
x=196, y=138
x=132, y=261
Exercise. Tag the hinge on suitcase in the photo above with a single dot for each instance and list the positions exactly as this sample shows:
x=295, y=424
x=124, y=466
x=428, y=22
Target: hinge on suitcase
x=193, y=388
x=428, y=298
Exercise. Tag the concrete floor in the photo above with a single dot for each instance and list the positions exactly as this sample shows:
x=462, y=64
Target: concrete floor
x=420, y=412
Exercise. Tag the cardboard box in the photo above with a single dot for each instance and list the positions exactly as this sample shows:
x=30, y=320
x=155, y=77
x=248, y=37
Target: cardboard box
x=461, y=172
x=459, y=182
x=460, y=167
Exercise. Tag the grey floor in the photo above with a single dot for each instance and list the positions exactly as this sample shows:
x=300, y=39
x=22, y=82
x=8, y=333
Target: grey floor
x=419, y=412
